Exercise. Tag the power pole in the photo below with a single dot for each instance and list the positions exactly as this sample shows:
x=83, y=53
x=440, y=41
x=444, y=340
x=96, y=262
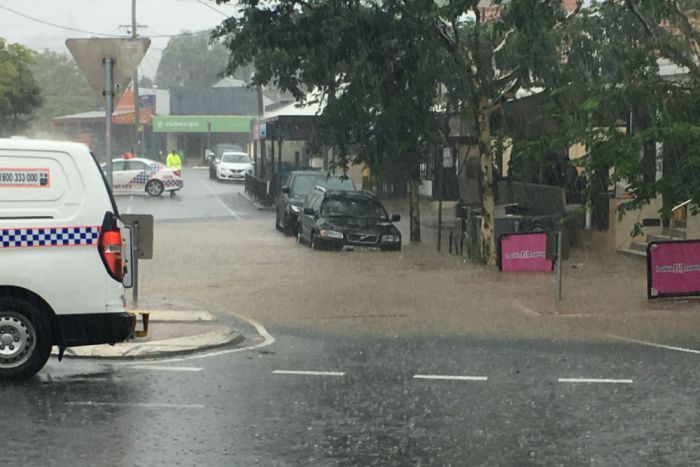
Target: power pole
x=137, y=103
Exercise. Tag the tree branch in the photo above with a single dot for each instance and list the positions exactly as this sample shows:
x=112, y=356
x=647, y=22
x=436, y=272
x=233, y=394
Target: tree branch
x=504, y=41
x=630, y=6
x=508, y=77
x=506, y=95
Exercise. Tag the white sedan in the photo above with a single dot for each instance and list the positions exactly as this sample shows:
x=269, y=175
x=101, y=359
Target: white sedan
x=233, y=166
x=137, y=175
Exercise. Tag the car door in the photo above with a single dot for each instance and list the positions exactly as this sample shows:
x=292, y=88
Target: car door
x=306, y=221
x=135, y=172
x=118, y=176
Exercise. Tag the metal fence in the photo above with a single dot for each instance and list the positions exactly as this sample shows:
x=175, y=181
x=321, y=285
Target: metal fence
x=261, y=191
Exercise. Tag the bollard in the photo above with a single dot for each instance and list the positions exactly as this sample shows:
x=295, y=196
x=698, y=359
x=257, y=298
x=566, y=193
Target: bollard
x=450, y=242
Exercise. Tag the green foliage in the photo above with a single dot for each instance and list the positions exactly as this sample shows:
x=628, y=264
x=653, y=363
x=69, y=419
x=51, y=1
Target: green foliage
x=19, y=93
x=64, y=89
x=191, y=60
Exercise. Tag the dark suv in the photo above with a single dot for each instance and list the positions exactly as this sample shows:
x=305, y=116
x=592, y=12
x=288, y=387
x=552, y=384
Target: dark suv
x=298, y=186
x=345, y=220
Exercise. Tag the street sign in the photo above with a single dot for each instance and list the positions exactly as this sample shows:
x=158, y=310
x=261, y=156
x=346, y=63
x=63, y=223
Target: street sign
x=90, y=54
x=447, y=161
x=143, y=224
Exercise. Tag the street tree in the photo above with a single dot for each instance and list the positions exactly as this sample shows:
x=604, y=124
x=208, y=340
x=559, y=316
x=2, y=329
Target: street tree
x=63, y=87
x=191, y=59
x=359, y=48
x=19, y=94
x=633, y=118
x=375, y=75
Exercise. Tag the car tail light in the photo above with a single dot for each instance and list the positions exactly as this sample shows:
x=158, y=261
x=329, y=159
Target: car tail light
x=176, y=172
x=110, y=247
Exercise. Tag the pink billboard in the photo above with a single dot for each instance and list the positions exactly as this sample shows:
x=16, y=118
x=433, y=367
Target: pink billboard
x=524, y=252
x=673, y=268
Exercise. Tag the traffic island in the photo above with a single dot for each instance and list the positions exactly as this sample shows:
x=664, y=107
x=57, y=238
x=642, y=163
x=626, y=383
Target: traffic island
x=170, y=333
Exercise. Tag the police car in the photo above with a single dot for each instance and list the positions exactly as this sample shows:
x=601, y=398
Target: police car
x=61, y=248
x=137, y=175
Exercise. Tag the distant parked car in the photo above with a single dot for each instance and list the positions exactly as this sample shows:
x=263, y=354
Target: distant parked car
x=214, y=157
x=233, y=166
x=298, y=186
x=347, y=220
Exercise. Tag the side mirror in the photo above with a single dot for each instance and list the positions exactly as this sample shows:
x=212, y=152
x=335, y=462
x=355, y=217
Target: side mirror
x=216, y=161
x=395, y=218
x=309, y=211
x=285, y=189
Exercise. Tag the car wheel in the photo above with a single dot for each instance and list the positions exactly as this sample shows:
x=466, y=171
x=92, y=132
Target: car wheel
x=154, y=188
x=25, y=339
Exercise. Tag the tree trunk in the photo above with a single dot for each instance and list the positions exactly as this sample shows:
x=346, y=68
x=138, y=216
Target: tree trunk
x=488, y=195
x=414, y=209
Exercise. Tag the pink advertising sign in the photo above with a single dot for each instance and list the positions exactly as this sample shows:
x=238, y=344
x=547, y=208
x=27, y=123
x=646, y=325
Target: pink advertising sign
x=524, y=252
x=673, y=268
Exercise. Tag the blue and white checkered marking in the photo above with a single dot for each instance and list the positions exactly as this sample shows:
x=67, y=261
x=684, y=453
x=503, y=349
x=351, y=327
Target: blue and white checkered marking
x=54, y=236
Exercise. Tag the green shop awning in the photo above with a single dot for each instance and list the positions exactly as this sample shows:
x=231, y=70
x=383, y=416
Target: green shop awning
x=202, y=123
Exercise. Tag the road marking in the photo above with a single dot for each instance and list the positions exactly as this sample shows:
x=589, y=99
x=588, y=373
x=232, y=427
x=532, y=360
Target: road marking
x=200, y=167
x=309, y=373
x=268, y=340
x=169, y=368
x=233, y=214
x=146, y=405
x=660, y=346
x=595, y=380
x=452, y=377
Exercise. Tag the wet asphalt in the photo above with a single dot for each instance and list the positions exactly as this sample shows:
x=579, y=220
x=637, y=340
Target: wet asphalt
x=319, y=396
x=363, y=405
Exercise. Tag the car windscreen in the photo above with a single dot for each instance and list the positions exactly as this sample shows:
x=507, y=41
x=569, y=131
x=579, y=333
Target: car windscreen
x=303, y=184
x=337, y=183
x=347, y=207
x=236, y=158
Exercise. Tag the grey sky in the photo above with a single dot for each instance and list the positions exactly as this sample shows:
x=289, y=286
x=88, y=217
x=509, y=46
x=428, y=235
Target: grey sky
x=105, y=16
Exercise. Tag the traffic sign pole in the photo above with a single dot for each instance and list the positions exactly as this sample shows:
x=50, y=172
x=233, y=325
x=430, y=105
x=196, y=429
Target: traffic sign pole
x=109, y=105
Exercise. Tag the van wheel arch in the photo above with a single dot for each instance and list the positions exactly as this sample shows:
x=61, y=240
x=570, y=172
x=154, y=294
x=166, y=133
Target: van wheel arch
x=42, y=305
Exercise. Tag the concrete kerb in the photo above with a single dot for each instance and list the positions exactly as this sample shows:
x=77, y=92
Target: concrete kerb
x=216, y=336
x=255, y=204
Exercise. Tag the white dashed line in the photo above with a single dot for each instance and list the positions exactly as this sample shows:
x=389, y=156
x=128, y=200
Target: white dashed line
x=452, y=377
x=168, y=368
x=659, y=346
x=309, y=373
x=145, y=405
x=595, y=380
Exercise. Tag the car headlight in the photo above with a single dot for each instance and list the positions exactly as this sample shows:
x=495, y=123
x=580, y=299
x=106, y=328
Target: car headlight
x=390, y=239
x=295, y=208
x=330, y=234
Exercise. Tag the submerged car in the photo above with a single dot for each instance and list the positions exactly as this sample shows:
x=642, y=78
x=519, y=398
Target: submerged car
x=298, y=186
x=347, y=220
x=233, y=166
x=138, y=175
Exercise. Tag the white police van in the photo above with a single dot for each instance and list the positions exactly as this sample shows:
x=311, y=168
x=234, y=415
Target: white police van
x=60, y=255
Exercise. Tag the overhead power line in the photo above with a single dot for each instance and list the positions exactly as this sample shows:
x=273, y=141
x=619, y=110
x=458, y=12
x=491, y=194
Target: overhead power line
x=93, y=33
x=48, y=23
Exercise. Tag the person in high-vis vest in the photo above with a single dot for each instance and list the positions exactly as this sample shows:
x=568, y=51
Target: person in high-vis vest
x=173, y=160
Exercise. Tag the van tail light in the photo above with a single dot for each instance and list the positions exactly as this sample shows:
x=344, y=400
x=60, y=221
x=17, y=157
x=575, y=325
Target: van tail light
x=110, y=247
x=176, y=172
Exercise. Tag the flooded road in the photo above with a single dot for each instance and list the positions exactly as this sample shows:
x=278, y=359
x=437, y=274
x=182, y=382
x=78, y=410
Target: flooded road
x=410, y=358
